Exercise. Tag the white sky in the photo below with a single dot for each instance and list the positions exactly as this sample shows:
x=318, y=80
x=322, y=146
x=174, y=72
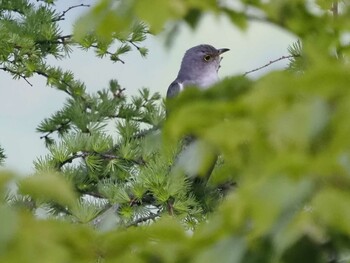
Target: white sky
x=23, y=107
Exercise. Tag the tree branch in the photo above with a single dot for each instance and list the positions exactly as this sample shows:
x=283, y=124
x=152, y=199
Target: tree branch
x=42, y=73
x=152, y=216
x=70, y=159
x=58, y=40
x=62, y=15
x=270, y=63
x=109, y=53
x=6, y=69
x=105, y=156
x=133, y=43
x=51, y=132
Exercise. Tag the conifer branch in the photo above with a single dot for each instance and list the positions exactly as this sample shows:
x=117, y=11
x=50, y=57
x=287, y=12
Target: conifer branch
x=6, y=69
x=118, y=116
x=270, y=63
x=133, y=43
x=73, y=157
x=109, y=53
x=2, y=155
x=57, y=129
x=105, y=156
x=44, y=74
x=151, y=216
x=58, y=40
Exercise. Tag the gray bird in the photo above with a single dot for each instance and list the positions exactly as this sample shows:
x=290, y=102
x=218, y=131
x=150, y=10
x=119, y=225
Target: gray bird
x=199, y=67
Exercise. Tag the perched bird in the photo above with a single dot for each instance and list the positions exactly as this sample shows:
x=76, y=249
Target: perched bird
x=199, y=67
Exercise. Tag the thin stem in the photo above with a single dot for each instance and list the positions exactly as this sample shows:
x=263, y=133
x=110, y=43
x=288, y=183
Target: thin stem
x=42, y=73
x=152, y=216
x=17, y=74
x=109, y=53
x=270, y=63
x=50, y=132
x=62, y=15
x=133, y=43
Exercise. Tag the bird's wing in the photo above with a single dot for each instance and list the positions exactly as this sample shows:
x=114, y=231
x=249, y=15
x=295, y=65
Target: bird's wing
x=174, y=89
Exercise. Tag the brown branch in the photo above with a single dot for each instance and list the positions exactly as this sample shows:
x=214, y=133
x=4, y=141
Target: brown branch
x=58, y=40
x=105, y=156
x=70, y=159
x=133, y=43
x=17, y=74
x=62, y=15
x=270, y=63
x=152, y=216
x=50, y=132
x=42, y=73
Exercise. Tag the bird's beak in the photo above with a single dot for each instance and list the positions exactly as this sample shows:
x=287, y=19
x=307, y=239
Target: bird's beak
x=222, y=50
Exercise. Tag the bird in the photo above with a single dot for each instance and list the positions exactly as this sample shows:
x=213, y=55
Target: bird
x=199, y=67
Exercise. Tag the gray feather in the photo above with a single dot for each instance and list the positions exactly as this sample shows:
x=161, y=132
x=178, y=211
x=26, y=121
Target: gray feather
x=173, y=89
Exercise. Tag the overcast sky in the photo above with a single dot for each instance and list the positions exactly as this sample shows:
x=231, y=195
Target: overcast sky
x=23, y=107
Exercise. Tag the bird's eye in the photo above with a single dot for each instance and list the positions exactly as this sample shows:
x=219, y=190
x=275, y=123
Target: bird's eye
x=207, y=57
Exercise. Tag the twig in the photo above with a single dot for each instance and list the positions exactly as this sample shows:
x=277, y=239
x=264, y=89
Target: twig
x=105, y=156
x=133, y=43
x=270, y=63
x=50, y=132
x=42, y=73
x=109, y=53
x=70, y=159
x=58, y=40
x=62, y=15
x=16, y=74
x=152, y=216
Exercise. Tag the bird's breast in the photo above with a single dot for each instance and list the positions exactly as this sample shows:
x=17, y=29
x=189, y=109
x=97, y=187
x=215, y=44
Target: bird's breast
x=207, y=80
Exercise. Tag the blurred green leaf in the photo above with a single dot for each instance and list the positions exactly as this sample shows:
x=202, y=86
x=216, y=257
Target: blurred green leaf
x=339, y=218
x=325, y=4
x=227, y=250
x=49, y=187
x=157, y=12
x=9, y=226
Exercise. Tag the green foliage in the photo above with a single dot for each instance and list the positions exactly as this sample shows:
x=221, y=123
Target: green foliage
x=107, y=17
x=280, y=190
x=31, y=33
x=2, y=155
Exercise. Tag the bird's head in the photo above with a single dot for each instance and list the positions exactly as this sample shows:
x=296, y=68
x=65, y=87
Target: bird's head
x=201, y=62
